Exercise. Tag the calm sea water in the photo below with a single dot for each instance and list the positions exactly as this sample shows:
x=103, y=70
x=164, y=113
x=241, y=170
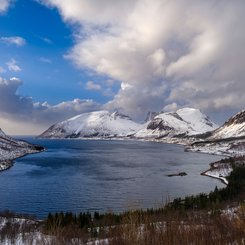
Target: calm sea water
x=77, y=175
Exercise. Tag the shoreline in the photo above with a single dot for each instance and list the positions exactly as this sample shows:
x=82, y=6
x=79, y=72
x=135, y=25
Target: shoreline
x=9, y=163
x=206, y=173
x=6, y=164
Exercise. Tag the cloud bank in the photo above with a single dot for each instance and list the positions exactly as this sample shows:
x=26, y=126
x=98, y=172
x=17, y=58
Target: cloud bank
x=166, y=54
x=21, y=115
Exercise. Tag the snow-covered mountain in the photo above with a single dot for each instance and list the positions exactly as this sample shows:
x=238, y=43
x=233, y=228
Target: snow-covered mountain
x=229, y=139
x=93, y=124
x=181, y=123
x=233, y=128
x=11, y=149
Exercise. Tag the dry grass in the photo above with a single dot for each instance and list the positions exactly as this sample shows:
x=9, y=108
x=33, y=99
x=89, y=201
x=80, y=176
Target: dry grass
x=136, y=228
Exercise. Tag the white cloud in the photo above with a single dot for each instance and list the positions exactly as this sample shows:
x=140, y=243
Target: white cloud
x=12, y=65
x=17, y=110
x=18, y=41
x=4, y=4
x=168, y=53
x=45, y=60
x=90, y=85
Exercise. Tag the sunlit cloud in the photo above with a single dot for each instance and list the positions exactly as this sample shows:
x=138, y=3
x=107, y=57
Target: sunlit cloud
x=169, y=53
x=38, y=115
x=90, y=85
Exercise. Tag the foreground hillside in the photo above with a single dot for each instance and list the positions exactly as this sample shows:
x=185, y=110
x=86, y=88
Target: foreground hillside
x=11, y=149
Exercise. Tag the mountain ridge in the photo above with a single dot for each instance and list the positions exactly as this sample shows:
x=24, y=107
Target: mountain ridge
x=103, y=124
x=93, y=124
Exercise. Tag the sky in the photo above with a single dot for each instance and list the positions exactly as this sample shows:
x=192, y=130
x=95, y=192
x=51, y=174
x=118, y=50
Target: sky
x=60, y=58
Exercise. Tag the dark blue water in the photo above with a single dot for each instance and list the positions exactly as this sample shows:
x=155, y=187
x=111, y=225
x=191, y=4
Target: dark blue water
x=77, y=175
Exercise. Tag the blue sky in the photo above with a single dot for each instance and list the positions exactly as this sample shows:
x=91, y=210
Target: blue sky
x=60, y=58
x=46, y=74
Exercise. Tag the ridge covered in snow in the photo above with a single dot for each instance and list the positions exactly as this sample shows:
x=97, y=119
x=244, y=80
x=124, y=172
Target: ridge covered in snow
x=233, y=128
x=181, y=123
x=11, y=149
x=101, y=124
x=229, y=139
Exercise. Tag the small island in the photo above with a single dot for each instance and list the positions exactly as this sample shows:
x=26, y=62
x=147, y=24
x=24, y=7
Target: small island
x=177, y=174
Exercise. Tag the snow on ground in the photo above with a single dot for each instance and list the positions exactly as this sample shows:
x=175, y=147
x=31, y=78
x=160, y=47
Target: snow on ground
x=233, y=148
x=219, y=171
x=20, y=231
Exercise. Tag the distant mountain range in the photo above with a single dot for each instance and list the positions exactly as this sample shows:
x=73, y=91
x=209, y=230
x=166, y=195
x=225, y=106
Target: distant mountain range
x=186, y=126
x=182, y=123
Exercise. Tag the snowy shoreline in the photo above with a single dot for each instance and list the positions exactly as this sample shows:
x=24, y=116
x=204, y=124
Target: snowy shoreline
x=219, y=171
x=9, y=163
x=11, y=149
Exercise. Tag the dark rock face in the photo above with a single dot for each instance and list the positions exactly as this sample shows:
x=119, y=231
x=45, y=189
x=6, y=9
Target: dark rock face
x=237, y=119
x=56, y=130
x=176, y=116
x=158, y=124
x=117, y=114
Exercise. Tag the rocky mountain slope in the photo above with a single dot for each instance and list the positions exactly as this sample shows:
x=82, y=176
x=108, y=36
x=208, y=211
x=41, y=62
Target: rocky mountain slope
x=11, y=149
x=233, y=128
x=183, y=123
x=229, y=139
x=100, y=124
